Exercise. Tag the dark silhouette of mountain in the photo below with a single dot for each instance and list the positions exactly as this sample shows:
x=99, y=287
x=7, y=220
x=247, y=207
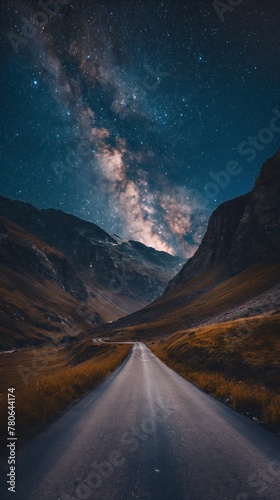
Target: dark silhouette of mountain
x=241, y=232
x=26, y=254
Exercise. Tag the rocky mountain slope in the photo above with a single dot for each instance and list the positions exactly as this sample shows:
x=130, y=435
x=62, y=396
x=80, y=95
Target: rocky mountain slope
x=128, y=268
x=241, y=232
x=61, y=275
x=26, y=254
x=41, y=296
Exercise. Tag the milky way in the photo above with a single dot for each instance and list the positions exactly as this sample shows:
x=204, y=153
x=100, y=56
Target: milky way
x=122, y=113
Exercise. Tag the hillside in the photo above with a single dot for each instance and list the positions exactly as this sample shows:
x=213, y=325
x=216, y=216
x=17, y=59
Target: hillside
x=41, y=296
x=127, y=268
x=61, y=275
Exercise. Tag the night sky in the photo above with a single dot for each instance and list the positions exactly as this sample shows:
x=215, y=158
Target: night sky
x=122, y=112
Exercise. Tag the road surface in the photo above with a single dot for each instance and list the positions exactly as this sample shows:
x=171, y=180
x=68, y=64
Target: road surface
x=146, y=433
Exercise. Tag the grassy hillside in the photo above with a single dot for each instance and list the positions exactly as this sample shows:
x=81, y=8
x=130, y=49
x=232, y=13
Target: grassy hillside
x=197, y=302
x=57, y=379
x=238, y=362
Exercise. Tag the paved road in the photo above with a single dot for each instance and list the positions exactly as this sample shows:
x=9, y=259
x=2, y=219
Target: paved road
x=146, y=433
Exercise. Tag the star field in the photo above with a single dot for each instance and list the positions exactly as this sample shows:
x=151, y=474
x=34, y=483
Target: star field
x=124, y=113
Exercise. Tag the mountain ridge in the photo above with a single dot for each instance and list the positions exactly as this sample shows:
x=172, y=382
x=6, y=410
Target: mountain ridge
x=241, y=232
x=130, y=268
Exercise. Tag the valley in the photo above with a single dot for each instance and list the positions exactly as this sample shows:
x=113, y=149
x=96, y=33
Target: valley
x=86, y=319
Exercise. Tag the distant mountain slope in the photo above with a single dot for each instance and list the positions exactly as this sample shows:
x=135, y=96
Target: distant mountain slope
x=26, y=254
x=41, y=295
x=61, y=275
x=129, y=269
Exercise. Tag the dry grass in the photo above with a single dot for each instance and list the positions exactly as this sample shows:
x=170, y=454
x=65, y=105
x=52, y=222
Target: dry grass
x=21, y=367
x=201, y=299
x=237, y=362
x=48, y=395
x=255, y=339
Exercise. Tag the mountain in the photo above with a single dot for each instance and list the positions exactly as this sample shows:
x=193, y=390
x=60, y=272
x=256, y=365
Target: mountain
x=128, y=268
x=40, y=293
x=235, y=271
x=27, y=255
x=47, y=254
x=241, y=232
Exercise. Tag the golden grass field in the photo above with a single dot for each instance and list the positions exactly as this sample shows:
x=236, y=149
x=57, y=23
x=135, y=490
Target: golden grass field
x=67, y=375
x=237, y=362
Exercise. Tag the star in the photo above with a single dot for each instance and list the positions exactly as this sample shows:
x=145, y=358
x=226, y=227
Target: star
x=144, y=102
